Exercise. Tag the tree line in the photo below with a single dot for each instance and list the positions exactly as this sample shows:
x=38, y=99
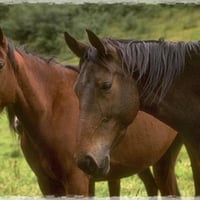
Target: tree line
x=41, y=25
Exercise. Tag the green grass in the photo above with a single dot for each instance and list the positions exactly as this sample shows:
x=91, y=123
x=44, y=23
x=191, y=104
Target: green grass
x=16, y=178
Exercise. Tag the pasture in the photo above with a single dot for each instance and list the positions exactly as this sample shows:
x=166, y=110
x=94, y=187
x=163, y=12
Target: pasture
x=172, y=22
x=17, y=179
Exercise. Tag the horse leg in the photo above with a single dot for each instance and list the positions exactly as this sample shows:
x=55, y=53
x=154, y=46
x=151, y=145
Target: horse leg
x=192, y=143
x=91, y=188
x=149, y=182
x=114, y=187
x=47, y=185
x=77, y=183
x=164, y=169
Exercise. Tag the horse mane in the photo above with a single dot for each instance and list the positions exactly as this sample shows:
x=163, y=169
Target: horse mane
x=157, y=62
x=22, y=50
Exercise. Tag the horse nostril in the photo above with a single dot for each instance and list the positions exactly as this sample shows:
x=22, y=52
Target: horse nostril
x=87, y=164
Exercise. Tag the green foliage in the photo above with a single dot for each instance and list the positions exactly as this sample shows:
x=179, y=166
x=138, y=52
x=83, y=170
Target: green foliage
x=16, y=178
x=41, y=26
x=3, y=11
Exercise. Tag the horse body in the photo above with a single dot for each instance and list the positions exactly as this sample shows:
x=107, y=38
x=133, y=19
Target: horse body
x=45, y=112
x=180, y=109
x=158, y=138
x=146, y=142
x=40, y=94
x=158, y=77
x=177, y=107
x=46, y=133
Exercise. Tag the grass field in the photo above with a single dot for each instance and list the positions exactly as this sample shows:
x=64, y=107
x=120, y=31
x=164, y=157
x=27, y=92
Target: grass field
x=16, y=178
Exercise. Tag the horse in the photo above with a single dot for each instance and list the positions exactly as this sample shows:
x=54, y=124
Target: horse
x=146, y=138
x=134, y=159
x=119, y=77
x=39, y=92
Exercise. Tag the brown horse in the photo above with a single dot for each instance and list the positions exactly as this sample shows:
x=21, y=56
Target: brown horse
x=129, y=157
x=39, y=92
x=143, y=145
x=119, y=77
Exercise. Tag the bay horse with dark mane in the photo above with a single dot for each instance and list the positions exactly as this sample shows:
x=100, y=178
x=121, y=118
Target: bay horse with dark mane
x=119, y=77
x=40, y=93
x=129, y=157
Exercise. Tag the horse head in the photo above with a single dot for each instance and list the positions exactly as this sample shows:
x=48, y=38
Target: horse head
x=108, y=100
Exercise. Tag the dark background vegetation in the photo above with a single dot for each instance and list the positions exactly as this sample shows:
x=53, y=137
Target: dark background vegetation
x=41, y=26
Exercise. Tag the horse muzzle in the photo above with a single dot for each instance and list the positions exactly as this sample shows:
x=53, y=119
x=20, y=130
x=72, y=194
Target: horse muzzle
x=90, y=166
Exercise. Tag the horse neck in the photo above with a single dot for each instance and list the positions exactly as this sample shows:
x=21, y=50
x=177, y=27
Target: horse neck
x=162, y=90
x=179, y=107
x=38, y=86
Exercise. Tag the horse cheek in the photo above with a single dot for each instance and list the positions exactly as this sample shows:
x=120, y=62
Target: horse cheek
x=128, y=101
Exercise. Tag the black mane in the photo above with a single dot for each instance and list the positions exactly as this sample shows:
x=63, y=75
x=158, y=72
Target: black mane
x=159, y=61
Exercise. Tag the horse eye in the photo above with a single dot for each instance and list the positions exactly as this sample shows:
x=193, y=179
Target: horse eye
x=1, y=64
x=105, y=120
x=106, y=86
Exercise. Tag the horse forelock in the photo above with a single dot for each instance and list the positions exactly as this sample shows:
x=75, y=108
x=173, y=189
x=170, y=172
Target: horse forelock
x=156, y=63
x=91, y=55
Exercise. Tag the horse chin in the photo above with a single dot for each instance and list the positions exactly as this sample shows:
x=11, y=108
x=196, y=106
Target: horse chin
x=103, y=170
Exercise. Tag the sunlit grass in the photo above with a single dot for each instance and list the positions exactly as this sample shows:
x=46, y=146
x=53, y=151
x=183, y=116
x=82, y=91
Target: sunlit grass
x=16, y=178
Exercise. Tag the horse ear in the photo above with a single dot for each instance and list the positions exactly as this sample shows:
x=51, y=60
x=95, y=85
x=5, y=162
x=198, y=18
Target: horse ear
x=77, y=47
x=96, y=42
x=2, y=39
